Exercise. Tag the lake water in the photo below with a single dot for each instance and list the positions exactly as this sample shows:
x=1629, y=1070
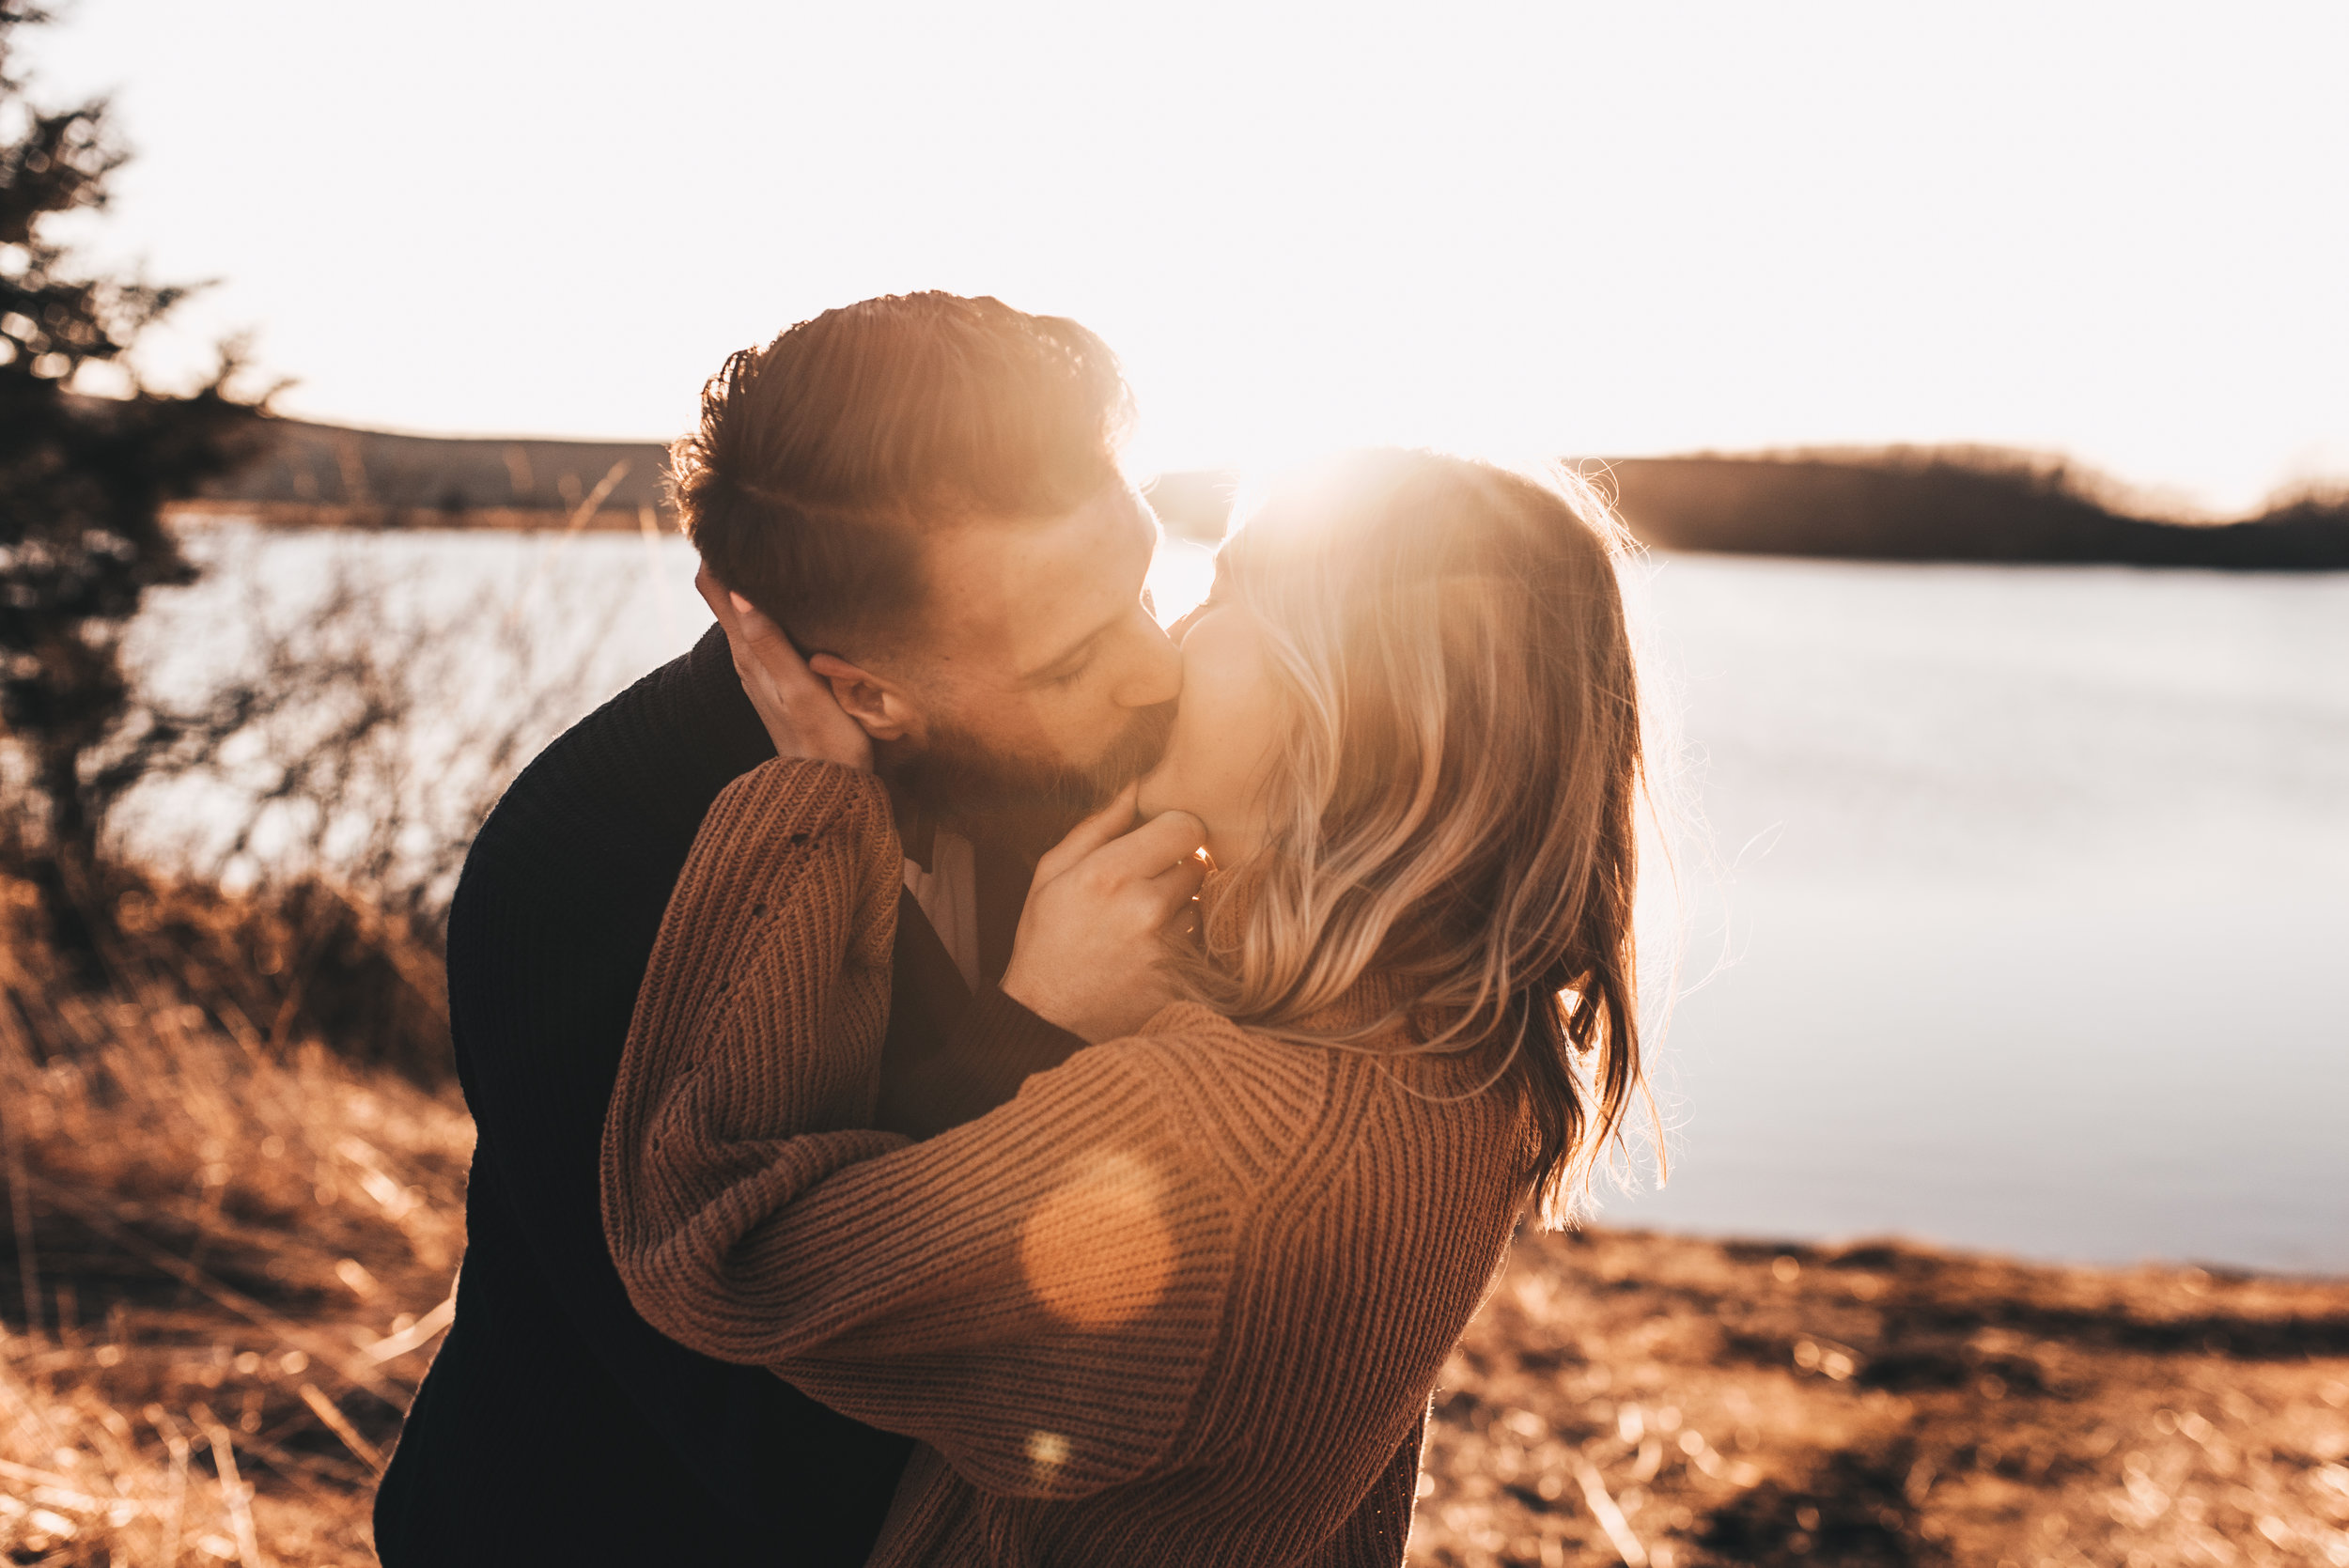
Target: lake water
x=2017, y=914
x=2034, y=909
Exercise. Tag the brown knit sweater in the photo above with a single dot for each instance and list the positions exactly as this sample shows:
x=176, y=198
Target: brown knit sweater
x=1182, y=1301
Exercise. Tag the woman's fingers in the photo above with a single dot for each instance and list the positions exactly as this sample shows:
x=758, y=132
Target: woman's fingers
x=1101, y=827
x=1090, y=952
x=1181, y=881
x=1158, y=846
x=794, y=704
x=1115, y=854
x=1173, y=890
x=763, y=642
x=714, y=593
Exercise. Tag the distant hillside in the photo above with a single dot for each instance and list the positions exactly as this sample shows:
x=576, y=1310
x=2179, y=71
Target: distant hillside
x=1892, y=504
x=1908, y=506
x=325, y=475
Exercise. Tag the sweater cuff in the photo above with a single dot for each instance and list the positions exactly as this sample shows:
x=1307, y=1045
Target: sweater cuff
x=995, y=1045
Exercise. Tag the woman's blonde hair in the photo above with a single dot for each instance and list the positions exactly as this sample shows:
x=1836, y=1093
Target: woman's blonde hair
x=1455, y=805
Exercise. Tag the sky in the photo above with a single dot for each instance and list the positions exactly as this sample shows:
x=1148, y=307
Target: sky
x=2118, y=233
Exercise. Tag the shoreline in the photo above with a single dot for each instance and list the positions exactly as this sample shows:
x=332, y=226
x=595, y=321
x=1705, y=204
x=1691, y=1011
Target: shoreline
x=1690, y=1403
x=2210, y=1271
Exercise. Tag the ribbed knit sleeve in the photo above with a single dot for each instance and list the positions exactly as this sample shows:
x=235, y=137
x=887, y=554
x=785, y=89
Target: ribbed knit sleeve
x=1038, y=1294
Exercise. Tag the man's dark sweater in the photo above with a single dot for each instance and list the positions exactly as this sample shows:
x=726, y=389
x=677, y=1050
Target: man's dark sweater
x=557, y=1425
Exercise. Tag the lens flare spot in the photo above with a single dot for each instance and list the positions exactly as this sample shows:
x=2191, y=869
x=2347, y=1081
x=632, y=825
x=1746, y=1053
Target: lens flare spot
x=1098, y=1254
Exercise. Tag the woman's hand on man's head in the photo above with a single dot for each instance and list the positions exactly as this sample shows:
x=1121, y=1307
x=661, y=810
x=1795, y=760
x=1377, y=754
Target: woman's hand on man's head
x=795, y=703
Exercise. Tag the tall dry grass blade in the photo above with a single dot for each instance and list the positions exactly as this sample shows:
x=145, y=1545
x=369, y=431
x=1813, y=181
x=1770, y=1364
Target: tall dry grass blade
x=339, y=1425
x=174, y=1523
x=292, y=1335
x=580, y=516
x=32, y=1477
x=232, y=1487
x=324, y=1479
x=1609, y=1517
x=648, y=525
x=392, y=1347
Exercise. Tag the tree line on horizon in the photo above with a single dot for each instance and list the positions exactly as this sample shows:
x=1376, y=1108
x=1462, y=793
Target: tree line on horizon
x=1894, y=504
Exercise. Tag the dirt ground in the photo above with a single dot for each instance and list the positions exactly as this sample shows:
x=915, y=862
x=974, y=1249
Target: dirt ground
x=1689, y=1402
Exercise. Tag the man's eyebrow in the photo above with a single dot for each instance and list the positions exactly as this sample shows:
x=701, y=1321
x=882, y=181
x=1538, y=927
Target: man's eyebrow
x=1071, y=658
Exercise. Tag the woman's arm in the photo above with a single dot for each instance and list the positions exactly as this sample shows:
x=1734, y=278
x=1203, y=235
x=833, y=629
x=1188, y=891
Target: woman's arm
x=1038, y=1294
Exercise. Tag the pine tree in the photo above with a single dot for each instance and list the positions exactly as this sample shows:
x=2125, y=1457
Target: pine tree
x=83, y=480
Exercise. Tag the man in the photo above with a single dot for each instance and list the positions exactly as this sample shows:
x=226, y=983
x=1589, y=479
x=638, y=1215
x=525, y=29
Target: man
x=923, y=494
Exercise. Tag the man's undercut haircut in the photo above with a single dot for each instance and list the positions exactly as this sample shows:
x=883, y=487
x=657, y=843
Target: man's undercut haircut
x=824, y=458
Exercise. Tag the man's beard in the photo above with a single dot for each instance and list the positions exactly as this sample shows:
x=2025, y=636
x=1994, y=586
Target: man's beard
x=957, y=780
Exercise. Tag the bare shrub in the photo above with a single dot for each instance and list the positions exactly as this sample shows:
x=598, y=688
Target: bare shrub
x=287, y=804
x=358, y=734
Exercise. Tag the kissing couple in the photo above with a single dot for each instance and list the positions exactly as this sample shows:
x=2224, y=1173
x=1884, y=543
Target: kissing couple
x=965, y=1076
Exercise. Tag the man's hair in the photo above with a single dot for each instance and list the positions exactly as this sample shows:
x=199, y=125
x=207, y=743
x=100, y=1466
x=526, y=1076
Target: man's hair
x=823, y=457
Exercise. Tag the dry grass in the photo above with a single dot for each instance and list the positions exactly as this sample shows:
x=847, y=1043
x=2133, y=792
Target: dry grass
x=1688, y=1403
x=230, y=1250
x=223, y=1270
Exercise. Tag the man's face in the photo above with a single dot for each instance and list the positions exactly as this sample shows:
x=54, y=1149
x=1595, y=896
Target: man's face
x=1039, y=674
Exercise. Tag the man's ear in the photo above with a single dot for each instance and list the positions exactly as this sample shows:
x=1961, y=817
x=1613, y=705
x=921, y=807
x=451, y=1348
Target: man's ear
x=877, y=702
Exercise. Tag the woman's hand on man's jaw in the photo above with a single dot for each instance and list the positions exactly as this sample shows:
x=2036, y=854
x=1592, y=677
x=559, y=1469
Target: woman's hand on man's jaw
x=1092, y=940
x=793, y=701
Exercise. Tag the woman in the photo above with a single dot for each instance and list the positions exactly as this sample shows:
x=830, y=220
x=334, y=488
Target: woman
x=1184, y=1299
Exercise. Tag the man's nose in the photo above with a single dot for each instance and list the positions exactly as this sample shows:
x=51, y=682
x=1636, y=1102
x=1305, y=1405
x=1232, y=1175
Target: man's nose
x=1157, y=673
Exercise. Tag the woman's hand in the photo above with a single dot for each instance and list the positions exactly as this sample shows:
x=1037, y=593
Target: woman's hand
x=794, y=704
x=1106, y=900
